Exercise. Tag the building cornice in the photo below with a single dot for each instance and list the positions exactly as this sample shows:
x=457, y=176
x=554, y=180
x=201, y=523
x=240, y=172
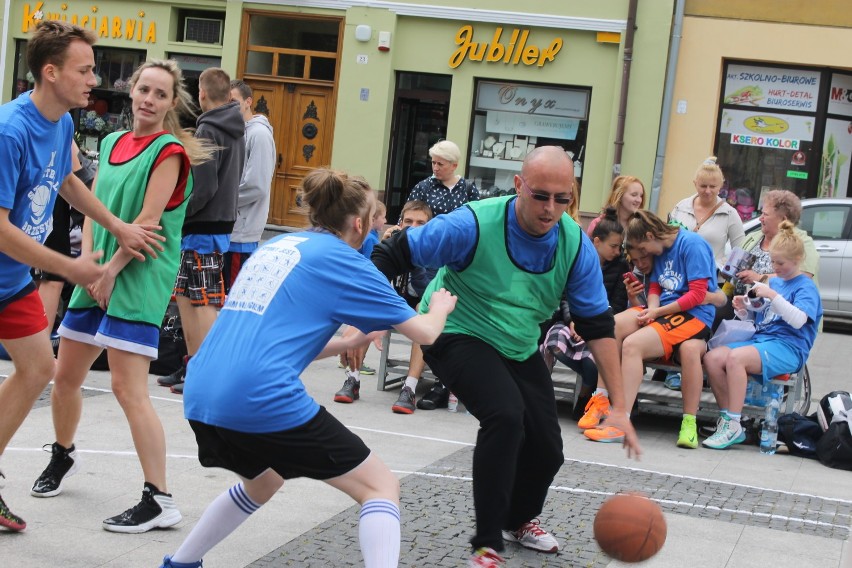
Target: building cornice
x=463, y=14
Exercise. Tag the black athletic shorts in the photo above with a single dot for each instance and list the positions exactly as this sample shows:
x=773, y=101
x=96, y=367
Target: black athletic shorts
x=321, y=449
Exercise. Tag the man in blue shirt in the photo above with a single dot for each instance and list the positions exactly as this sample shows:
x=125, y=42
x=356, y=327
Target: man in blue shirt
x=509, y=261
x=35, y=165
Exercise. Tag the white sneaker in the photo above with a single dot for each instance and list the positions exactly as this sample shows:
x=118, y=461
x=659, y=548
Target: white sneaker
x=730, y=432
x=531, y=535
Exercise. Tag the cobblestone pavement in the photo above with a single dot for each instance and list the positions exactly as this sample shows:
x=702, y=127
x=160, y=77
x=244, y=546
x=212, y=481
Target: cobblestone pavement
x=438, y=515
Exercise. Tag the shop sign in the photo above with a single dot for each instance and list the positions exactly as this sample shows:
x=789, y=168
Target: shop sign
x=527, y=99
x=515, y=52
x=765, y=142
x=115, y=27
x=536, y=125
x=768, y=124
x=840, y=95
x=771, y=87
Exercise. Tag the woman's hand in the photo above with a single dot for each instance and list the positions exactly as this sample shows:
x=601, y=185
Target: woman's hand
x=647, y=315
x=634, y=288
x=573, y=334
x=749, y=276
x=101, y=289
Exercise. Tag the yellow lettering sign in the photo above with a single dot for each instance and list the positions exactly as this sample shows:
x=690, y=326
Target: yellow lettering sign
x=515, y=52
x=107, y=26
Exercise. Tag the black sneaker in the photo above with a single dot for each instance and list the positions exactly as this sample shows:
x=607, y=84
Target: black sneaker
x=175, y=378
x=156, y=510
x=438, y=397
x=405, y=403
x=350, y=392
x=63, y=464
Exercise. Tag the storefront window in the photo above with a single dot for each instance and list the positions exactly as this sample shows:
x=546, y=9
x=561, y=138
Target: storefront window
x=510, y=119
x=786, y=128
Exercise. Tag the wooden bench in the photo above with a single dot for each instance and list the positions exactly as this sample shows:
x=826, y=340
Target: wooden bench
x=653, y=395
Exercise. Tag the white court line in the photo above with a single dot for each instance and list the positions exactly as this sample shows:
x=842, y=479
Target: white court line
x=563, y=489
x=567, y=460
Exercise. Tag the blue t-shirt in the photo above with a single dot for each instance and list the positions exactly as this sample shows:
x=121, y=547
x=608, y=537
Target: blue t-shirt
x=35, y=158
x=450, y=240
x=804, y=294
x=370, y=241
x=287, y=302
x=689, y=258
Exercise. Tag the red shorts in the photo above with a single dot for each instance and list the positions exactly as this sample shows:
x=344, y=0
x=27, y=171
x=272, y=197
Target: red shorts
x=676, y=328
x=23, y=317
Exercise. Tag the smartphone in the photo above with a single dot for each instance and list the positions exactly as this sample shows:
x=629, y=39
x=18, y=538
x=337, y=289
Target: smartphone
x=630, y=276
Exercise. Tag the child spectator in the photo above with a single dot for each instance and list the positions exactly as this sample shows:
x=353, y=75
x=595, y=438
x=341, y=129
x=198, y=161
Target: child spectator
x=785, y=333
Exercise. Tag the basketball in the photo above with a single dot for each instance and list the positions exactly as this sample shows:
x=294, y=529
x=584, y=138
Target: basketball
x=630, y=527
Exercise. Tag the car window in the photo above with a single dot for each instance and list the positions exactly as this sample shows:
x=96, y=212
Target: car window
x=825, y=222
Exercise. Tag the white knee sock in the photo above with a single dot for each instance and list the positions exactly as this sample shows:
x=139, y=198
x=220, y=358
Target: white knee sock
x=378, y=532
x=228, y=511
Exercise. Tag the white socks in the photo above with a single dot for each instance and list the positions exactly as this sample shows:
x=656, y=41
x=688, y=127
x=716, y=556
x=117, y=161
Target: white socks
x=601, y=391
x=378, y=533
x=411, y=382
x=228, y=511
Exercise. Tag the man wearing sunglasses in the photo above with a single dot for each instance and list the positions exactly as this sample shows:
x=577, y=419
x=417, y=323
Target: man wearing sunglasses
x=510, y=260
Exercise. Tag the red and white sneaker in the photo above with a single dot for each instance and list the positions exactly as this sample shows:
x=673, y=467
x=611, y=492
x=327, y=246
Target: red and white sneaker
x=486, y=558
x=531, y=535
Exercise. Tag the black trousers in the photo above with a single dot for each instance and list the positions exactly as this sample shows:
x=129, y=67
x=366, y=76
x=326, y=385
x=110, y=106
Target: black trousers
x=519, y=444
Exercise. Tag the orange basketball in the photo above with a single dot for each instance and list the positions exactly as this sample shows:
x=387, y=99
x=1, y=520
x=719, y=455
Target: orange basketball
x=630, y=527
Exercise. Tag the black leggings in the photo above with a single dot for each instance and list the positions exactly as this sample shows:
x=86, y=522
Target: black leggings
x=519, y=444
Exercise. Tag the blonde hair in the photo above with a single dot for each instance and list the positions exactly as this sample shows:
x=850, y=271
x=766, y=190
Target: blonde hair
x=709, y=167
x=619, y=188
x=333, y=196
x=446, y=150
x=787, y=243
x=196, y=149
x=643, y=222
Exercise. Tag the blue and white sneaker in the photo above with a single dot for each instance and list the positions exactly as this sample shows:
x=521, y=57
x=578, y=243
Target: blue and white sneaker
x=169, y=563
x=673, y=381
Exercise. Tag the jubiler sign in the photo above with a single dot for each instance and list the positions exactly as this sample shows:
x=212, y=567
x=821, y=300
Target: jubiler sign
x=514, y=52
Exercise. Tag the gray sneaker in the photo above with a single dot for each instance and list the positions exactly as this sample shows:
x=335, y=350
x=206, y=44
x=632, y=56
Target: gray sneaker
x=350, y=392
x=405, y=403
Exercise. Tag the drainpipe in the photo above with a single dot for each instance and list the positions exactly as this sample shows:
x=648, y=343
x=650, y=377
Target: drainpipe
x=625, y=86
x=668, y=95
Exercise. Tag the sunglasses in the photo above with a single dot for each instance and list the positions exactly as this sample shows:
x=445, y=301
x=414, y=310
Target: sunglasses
x=546, y=196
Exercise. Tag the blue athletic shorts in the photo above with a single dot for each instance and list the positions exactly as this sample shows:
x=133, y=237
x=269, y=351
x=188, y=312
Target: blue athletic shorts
x=95, y=327
x=777, y=357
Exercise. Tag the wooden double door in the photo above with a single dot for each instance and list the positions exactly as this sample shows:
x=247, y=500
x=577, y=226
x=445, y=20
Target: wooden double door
x=302, y=118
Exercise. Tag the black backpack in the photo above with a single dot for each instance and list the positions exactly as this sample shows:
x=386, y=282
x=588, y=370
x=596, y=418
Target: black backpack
x=835, y=447
x=800, y=433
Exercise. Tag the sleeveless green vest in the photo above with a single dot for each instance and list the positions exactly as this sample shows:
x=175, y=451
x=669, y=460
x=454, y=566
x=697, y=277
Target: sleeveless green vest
x=499, y=302
x=143, y=289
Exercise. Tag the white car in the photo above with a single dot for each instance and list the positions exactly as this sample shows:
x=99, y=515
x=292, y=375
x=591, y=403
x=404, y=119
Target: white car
x=829, y=222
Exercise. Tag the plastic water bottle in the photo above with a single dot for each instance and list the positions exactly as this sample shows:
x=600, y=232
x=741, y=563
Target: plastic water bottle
x=453, y=403
x=754, y=394
x=769, y=432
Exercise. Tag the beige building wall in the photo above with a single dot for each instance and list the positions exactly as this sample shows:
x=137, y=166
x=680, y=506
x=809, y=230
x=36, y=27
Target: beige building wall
x=706, y=43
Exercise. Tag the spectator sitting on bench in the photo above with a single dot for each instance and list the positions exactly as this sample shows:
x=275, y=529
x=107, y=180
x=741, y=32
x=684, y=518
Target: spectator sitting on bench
x=562, y=343
x=684, y=270
x=786, y=313
x=411, y=287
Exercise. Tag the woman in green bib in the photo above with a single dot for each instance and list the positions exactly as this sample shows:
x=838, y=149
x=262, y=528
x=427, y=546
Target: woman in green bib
x=144, y=177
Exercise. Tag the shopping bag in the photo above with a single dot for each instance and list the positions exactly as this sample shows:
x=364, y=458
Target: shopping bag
x=731, y=331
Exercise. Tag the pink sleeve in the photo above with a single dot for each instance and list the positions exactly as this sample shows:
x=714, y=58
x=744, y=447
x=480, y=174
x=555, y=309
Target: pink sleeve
x=696, y=294
x=592, y=225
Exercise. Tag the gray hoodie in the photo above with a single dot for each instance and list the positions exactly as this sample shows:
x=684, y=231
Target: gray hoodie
x=253, y=199
x=212, y=208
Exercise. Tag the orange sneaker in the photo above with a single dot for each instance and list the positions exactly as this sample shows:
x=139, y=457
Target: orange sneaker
x=596, y=410
x=607, y=434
